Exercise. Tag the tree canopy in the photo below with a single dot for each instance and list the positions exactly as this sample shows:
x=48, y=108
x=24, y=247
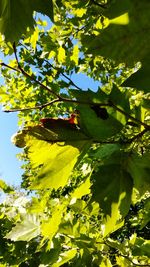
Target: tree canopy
x=85, y=151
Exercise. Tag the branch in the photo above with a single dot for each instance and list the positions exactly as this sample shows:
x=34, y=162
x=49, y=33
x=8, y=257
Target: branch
x=55, y=68
x=5, y=65
x=129, y=116
x=139, y=135
x=135, y=264
x=40, y=107
x=29, y=76
x=64, y=75
x=125, y=256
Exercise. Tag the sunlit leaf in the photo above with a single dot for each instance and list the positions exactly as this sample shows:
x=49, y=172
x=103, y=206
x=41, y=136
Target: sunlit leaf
x=49, y=227
x=82, y=190
x=61, y=54
x=106, y=263
x=75, y=54
x=57, y=162
x=26, y=230
x=65, y=257
x=56, y=159
x=58, y=131
x=6, y=188
x=122, y=19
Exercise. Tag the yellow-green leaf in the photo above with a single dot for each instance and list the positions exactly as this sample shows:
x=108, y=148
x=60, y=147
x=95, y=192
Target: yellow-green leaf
x=61, y=54
x=83, y=189
x=122, y=20
x=26, y=230
x=57, y=162
x=65, y=257
x=50, y=226
x=75, y=54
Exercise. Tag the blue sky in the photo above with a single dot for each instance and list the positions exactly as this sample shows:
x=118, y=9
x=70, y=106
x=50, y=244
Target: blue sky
x=9, y=165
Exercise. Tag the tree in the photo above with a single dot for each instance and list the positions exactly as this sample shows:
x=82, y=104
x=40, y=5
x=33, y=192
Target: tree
x=86, y=152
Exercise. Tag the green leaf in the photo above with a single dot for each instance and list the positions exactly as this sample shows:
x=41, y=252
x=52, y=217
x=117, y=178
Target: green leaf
x=145, y=214
x=95, y=127
x=50, y=226
x=54, y=158
x=139, y=168
x=105, y=151
x=140, y=79
x=57, y=160
x=120, y=98
x=26, y=230
x=112, y=189
x=17, y=15
x=130, y=40
x=140, y=246
x=116, y=8
x=90, y=96
x=65, y=257
x=82, y=190
x=6, y=188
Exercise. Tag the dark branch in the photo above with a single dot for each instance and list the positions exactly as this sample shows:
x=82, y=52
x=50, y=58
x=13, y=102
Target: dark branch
x=29, y=76
x=135, y=264
x=40, y=107
x=139, y=135
x=129, y=116
x=125, y=256
x=64, y=75
x=58, y=69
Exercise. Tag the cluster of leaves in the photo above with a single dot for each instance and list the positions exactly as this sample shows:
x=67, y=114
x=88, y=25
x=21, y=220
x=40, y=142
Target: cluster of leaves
x=89, y=172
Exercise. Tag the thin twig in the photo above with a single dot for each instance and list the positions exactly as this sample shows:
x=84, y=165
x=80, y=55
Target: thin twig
x=58, y=69
x=64, y=75
x=136, y=264
x=125, y=256
x=31, y=77
x=139, y=135
x=40, y=107
x=5, y=65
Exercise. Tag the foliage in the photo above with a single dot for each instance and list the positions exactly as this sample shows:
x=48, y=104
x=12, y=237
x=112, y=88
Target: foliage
x=86, y=151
